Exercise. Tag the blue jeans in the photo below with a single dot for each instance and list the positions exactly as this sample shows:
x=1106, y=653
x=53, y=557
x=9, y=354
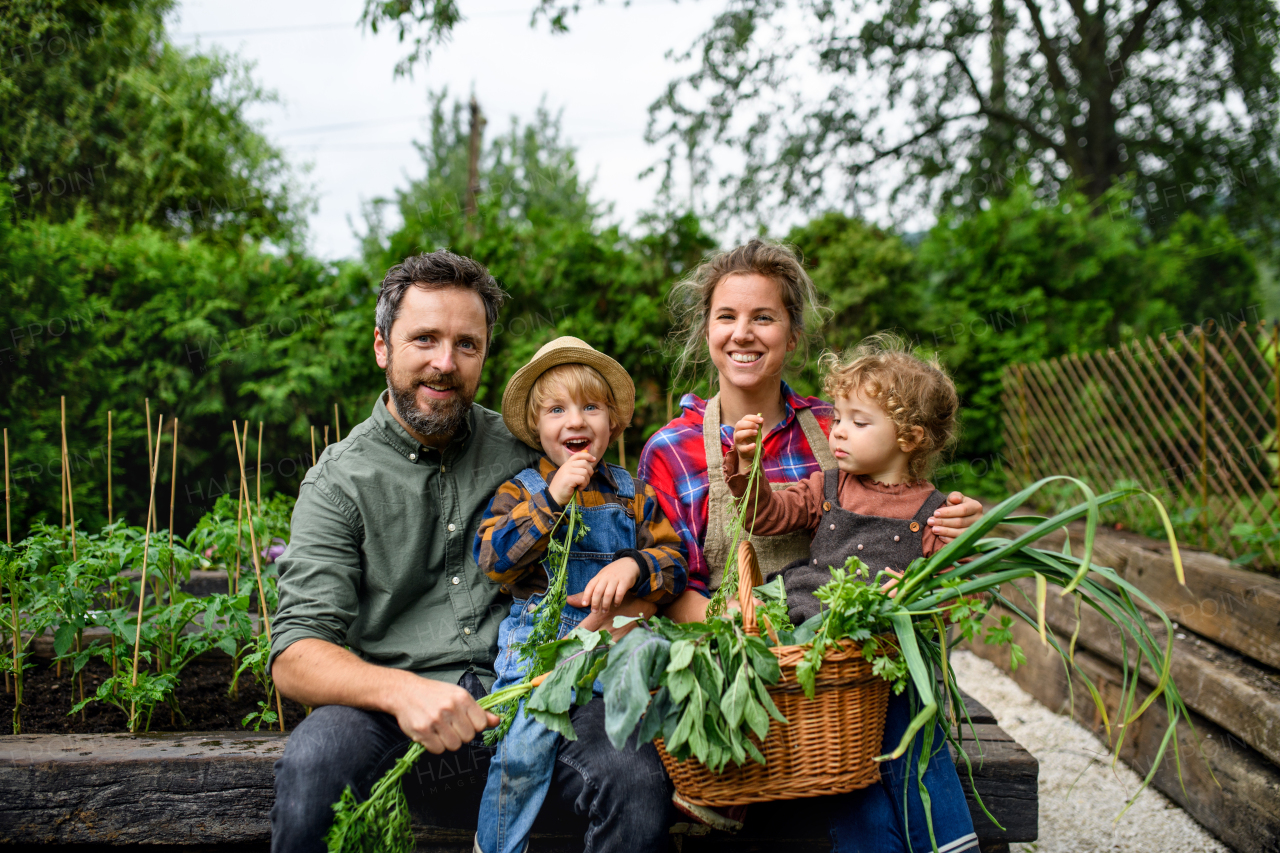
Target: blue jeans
x=620, y=800
x=890, y=817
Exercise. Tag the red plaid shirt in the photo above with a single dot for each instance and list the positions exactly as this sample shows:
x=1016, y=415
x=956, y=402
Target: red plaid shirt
x=674, y=464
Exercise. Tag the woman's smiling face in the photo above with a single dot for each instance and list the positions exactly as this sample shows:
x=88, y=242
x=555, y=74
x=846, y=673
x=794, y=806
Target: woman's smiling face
x=749, y=332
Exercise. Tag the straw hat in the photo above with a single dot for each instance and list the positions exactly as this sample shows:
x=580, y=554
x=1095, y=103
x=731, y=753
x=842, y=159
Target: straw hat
x=565, y=350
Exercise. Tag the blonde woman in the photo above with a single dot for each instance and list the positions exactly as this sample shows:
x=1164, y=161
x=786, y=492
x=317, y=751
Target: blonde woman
x=746, y=311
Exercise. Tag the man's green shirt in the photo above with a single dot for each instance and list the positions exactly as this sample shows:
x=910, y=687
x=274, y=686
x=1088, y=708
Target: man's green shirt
x=380, y=553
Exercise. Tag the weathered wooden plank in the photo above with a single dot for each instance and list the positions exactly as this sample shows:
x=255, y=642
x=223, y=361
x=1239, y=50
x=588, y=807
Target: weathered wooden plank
x=209, y=787
x=1244, y=812
x=217, y=788
x=1233, y=607
x=1226, y=688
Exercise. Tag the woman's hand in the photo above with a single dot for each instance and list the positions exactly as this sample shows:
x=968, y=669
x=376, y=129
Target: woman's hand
x=573, y=475
x=745, y=432
x=950, y=519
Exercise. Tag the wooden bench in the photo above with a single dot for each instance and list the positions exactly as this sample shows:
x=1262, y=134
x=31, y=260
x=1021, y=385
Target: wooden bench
x=212, y=789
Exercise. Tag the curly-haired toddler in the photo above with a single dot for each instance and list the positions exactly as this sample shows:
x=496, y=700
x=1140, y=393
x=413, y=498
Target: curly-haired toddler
x=894, y=414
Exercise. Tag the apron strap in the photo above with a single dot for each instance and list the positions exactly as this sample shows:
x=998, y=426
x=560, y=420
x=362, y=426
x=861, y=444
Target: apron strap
x=818, y=443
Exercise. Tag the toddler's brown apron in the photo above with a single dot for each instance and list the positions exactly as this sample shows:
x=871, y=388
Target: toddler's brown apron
x=774, y=552
x=881, y=543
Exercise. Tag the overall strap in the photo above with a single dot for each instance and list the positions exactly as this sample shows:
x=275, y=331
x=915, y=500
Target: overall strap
x=715, y=543
x=531, y=480
x=626, y=485
x=831, y=486
x=817, y=440
x=931, y=505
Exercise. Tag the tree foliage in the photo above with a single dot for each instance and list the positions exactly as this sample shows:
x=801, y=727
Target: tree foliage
x=828, y=103
x=964, y=99
x=568, y=271
x=98, y=111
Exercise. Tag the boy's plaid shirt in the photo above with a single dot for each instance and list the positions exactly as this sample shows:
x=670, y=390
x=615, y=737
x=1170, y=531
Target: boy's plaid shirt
x=674, y=464
x=512, y=540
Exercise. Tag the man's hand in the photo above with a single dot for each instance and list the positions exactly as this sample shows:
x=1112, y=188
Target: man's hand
x=437, y=715
x=745, y=432
x=950, y=519
x=441, y=717
x=573, y=475
x=611, y=584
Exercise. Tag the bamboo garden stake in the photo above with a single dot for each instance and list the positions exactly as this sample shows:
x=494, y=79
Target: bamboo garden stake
x=66, y=467
x=8, y=531
x=146, y=550
x=337, y=424
x=257, y=479
x=110, y=506
x=313, y=447
x=257, y=565
x=173, y=489
x=326, y=435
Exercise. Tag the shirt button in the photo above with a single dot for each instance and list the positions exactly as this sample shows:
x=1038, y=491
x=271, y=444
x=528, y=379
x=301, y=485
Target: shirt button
x=452, y=528
x=859, y=547
x=443, y=469
x=456, y=581
x=466, y=630
x=897, y=538
x=833, y=527
x=413, y=457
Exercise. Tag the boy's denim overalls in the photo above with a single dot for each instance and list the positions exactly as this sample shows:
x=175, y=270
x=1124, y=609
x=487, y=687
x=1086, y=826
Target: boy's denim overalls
x=520, y=773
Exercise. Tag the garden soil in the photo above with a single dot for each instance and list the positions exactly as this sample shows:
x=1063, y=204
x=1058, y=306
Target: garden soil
x=202, y=702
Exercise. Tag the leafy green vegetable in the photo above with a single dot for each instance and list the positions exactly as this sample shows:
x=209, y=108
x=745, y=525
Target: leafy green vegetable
x=547, y=615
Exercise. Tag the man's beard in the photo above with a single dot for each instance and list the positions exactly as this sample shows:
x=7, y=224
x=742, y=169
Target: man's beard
x=440, y=418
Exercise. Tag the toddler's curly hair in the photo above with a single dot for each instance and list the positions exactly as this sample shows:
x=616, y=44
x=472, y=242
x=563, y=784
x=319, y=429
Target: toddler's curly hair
x=913, y=392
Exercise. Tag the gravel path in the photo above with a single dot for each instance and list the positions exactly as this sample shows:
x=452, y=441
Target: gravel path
x=1080, y=793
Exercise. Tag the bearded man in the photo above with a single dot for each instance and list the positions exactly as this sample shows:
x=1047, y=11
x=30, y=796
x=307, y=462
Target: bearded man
x=386, y=626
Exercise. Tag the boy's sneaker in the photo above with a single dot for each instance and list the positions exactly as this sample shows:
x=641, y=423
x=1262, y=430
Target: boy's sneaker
x=724, y=818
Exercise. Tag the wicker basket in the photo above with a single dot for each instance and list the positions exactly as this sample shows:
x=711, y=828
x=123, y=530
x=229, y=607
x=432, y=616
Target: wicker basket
x=829, y=741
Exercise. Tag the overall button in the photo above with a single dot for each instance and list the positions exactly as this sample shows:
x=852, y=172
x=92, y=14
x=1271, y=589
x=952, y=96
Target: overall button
x=915, y=526
x=443, y=469
x=456, y=580
x=859, y=547
x=826, y=506
x=833, y=527
x=897, y=539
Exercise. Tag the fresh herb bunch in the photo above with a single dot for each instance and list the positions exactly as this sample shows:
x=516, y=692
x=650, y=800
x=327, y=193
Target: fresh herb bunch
x=382, y=823
x=547, y=612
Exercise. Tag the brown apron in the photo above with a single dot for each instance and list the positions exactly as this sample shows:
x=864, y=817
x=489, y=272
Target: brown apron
x=881, y=543
x=774, y=552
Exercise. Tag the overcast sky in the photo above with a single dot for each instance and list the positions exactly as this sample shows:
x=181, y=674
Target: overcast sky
x=343, y=111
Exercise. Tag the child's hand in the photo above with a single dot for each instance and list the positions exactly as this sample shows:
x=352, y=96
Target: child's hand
x=573, y=475
x=744, y=437
x=607, y=589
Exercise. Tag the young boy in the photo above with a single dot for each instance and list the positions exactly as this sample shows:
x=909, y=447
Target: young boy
x=570, y=401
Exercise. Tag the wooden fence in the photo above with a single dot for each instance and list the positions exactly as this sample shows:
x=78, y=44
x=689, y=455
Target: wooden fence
x=1193, y=418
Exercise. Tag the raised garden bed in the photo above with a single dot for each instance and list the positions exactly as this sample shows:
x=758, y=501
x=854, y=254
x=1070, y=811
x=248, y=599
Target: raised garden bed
x=201, y=694
x=1225, y=652
x=216, y=788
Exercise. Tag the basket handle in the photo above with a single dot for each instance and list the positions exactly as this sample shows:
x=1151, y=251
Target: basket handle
x=749, y=577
